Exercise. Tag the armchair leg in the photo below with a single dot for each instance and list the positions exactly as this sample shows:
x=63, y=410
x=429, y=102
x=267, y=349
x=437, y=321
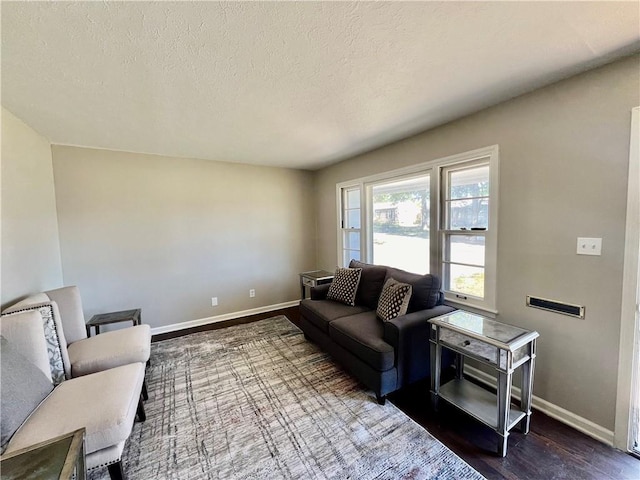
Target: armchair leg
x=382, y=399
x=145, y=394
x=115, y=471
x=142, y=416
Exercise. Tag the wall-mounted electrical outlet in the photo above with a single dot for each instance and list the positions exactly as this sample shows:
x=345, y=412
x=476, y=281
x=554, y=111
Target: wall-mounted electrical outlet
x=252, y=293
x=589, y=246
x=214, y=301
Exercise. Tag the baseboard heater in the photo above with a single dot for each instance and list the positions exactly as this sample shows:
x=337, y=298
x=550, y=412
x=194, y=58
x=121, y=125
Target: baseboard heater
x=556, y=306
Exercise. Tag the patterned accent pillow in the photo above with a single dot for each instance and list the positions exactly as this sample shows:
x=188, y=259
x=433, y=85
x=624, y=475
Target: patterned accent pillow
x=394, y=299
x=345, y=285
x=52, y=338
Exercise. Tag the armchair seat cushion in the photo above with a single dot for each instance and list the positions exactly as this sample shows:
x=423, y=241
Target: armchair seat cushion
x=110, y=350
x=104, y=403
x=362, y=334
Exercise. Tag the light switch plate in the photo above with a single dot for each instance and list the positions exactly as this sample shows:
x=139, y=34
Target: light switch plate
x=589, y=246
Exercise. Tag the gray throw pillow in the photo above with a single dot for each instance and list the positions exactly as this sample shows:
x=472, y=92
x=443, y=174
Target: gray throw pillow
x=23, y=387
x=394, y=300
x=345, y=285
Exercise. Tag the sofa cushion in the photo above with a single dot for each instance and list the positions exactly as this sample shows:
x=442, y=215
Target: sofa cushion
x=425, y=288
x=110, y=349
x=105, y=403
x=362, y=335
x=24, y=387
x=344, y=286
x=371, y=282
x=394, y=300
x=322, y=312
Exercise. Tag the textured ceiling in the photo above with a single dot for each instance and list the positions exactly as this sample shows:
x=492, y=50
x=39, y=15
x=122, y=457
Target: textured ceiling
x=294, y=84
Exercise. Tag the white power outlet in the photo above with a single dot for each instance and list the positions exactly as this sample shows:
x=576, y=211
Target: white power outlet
x=589, y=246
x=214, y=301
x=252, y=293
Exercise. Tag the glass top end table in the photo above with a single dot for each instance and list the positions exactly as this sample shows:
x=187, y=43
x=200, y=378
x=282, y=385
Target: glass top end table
x=61, y=458
x=501, y=346
x=313, y=279
x=485, y=329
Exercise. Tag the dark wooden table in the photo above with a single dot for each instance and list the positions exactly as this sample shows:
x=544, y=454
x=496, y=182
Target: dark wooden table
x=113, y=317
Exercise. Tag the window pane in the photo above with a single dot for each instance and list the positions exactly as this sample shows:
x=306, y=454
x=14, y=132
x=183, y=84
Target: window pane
x=471, y=182
x=466, y=280
x=465, y=249
x=401, y=224
x=472, y=213
x=349, y=255
x=353, y=219
x=352, y=240
x=353, y=198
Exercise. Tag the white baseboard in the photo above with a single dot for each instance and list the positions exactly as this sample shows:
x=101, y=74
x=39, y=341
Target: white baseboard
x=565, y=416
x=221, y=318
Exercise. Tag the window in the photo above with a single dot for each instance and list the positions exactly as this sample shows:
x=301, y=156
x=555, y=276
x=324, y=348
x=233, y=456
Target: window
x=400, y=223
x=465, y=223
x=439, y=217
x=351, y=220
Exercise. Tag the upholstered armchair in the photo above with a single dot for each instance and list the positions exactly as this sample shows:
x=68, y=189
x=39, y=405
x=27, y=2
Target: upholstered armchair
x=85, y=355
x=105, y=404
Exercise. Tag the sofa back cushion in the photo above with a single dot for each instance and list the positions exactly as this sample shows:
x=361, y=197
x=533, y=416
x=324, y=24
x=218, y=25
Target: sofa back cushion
x=425, y=288
x=371, y=283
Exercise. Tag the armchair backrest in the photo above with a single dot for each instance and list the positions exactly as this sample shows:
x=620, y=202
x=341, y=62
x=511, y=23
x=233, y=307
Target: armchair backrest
x=71, y=314
x=25, y=331
x=56, y=342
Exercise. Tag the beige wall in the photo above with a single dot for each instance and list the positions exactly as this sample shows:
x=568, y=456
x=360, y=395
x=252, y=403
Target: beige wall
x=564, y=153
x=167, y=234
x=30, y=247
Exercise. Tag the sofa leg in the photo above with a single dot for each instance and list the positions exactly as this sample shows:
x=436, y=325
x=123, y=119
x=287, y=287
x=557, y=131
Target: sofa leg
x=142, y=416
x=145, y=394
x=382, y=399
x=115, y=471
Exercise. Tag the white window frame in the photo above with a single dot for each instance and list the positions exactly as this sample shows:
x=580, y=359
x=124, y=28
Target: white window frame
x=342, y=220
x=486, y=305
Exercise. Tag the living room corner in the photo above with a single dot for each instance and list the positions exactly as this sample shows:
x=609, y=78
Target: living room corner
x=197, y=224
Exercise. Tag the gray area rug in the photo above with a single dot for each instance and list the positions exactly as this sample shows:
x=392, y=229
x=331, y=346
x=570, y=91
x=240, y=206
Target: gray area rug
x=257, y=401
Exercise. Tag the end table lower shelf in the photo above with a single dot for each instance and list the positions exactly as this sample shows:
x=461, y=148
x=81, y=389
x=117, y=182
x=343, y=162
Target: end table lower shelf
x=478, y=402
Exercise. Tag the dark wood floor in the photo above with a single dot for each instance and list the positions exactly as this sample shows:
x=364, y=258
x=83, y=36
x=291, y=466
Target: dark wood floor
x=551, y=450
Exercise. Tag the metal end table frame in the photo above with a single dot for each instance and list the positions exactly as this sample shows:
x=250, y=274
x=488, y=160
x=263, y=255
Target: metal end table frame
x=73, y=465
x=508, y=416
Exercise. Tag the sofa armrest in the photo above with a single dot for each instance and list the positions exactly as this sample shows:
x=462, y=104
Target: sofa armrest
x=320, y=292
x=409, y=337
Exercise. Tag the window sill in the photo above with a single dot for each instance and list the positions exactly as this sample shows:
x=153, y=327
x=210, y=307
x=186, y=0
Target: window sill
x=471, y=307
